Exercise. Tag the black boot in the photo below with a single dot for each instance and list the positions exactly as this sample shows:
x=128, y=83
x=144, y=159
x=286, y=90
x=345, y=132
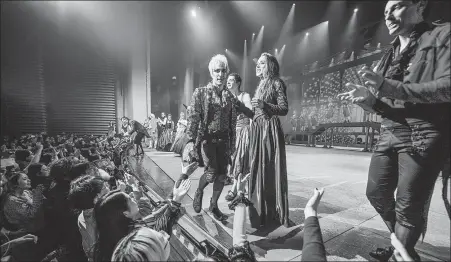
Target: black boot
x=197, y=201
x=218, y=215
x=382, y=254
x=218, y=186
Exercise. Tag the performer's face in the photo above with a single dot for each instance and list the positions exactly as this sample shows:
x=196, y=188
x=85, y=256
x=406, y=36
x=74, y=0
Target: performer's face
x=231, y=82
x=163, y=115
x=401, y=16
x=218, y=75
x=182, y=115
x=262, y=66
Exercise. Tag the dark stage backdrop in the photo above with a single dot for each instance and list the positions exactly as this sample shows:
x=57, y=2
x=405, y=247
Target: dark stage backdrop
x=51, y=79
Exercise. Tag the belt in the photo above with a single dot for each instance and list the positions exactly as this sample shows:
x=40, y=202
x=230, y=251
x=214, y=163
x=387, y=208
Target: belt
x=217, y=137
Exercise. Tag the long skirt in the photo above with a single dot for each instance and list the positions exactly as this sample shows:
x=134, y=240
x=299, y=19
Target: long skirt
x=268, y=187
x=165, y=140
x=240, y=159
x=180, y=141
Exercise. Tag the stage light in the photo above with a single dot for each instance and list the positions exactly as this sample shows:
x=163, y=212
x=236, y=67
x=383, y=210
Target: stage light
x=294, y=4
x=276, y=49
x=306, y=34
x=253, y=33
x=193, y=13
x=355, y=10
x=226, y=49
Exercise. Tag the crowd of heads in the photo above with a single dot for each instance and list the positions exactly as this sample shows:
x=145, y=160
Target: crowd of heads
x=59, y=177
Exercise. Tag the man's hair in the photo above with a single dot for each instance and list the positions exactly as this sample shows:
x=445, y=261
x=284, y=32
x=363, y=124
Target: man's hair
x=218, y=59
x=237, y=79
x=21, y=155
x=427, y=8
x=84, y=190
x=61, y=169
x=46, y=158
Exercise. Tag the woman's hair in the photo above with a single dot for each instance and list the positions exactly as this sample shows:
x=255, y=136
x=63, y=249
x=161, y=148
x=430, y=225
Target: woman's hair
x=33, y=173
x=271, y=78
x=218, y=60
x=112, y=224
x=237, y=79
x=21, y=155
x=142, y=244
x=84, y=190
x=34, y=169
x=13, y=181
x=272, y=64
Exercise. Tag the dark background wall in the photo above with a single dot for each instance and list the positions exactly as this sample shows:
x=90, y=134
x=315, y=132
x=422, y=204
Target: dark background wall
x=51, y=79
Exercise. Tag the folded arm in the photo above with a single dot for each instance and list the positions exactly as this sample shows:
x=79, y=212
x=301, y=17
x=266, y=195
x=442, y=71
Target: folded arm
x=281, y=108
x=21, y=213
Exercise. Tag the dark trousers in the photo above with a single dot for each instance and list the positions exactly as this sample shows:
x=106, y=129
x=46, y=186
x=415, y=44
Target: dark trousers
x=214, y=155
x=409, y=162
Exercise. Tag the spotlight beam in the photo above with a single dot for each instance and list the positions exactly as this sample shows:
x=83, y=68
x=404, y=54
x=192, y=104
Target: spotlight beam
x=244, y=67
x=287, y=28
x=257, y=45
x=234, y=60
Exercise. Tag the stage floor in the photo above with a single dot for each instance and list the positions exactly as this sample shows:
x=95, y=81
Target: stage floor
x=350, y=226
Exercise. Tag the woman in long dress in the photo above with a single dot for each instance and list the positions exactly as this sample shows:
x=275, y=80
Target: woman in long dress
x=179, y=141
x=240, y=159
x=167, y=134
x=268, y=188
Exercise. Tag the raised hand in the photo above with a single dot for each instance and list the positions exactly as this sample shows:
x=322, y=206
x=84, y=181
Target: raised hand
x=189, y=169
x=241, y=181
x=312, y=205
x=358, y=93
x=256, y=102
x=181, y=191
x=372, y=80
x=26, y=238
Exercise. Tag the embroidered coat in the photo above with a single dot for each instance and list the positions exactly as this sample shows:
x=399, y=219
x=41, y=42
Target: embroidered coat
x=198, y=112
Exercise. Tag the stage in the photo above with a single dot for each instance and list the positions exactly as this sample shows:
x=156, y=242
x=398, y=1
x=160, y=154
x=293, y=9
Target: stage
x=350, y=226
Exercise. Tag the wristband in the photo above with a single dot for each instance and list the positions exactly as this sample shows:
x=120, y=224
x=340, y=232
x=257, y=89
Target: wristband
x=176, y=204
x=239, y=199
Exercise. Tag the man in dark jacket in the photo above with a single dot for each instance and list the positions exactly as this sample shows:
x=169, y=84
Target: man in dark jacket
x=140, y=130
x=212, y=124
x=410, y=89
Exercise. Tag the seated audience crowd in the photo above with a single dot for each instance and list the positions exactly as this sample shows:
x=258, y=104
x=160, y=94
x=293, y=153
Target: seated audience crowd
x=68, y=198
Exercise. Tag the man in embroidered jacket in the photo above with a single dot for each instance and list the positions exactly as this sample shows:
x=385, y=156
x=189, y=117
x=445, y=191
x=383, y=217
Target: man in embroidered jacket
x=211, y=124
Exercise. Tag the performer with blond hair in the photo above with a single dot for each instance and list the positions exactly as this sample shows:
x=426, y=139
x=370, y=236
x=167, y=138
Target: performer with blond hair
x=211, y=124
